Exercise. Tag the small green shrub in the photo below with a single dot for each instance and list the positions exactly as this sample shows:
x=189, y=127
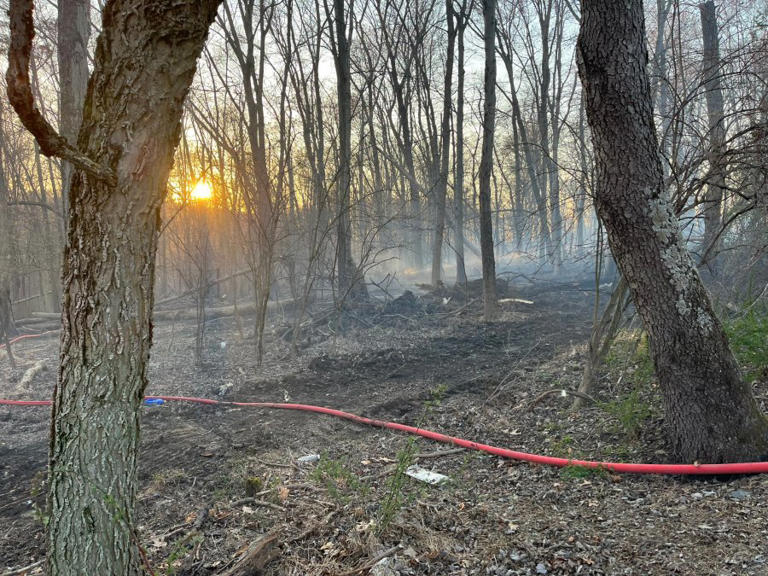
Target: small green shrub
x=630, y=412
x=575, y=472
x=340, y=482
x=395, y=497
x=629, y=353
x=748, y=337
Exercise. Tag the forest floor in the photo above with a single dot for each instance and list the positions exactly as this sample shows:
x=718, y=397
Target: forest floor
x=216, y=479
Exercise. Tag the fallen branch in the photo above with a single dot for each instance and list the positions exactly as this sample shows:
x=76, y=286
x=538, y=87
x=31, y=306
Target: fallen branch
x=458, y=310
x=202, y=516
x=251, y=500
x=30, y=374
x=314, y=527
x=256, y=557
x=372, y=563
x=19, y=571
x=515, y=300
x=211, y=284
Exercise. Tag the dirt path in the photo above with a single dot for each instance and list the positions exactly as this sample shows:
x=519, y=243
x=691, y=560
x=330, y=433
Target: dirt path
x=214, y=479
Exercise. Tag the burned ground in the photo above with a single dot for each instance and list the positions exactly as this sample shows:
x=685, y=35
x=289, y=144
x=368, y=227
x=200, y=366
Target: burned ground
x=215, y=479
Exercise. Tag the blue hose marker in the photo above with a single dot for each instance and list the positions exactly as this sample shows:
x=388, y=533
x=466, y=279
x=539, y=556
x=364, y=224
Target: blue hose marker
x=153, y=401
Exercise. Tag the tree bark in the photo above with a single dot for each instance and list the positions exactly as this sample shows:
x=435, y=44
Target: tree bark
x=711, y=415
x=490, y=306
x=145, y=61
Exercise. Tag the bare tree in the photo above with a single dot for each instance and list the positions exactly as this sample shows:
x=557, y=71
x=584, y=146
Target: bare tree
x=713, y=202
x=441, y=188
x=7, y=328
x=462, y=21
x=349, y=277
x=486, y=162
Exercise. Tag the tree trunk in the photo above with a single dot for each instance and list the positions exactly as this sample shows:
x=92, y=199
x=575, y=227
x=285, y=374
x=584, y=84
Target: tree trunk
x=486, y=162
x=74, y=29
x=350, y=284
x=581, y=195
x=713, y=201
x=458, y=180
x=7, y=328
x=145, y=61
x=445, y=147
x=711, y=415
x=51, y=287
x=660, y=58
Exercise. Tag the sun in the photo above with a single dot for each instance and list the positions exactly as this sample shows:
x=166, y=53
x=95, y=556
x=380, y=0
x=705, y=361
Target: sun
x=202, y=191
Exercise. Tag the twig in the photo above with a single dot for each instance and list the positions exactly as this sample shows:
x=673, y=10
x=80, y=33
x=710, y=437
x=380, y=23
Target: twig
x=251, y=500
x=439, y=453
x=314, y=527
x=504, y=380
x=18, y=571
x=256, y=557
x=386, y=472
x=562, y=392
x=277, y=464
x=459, y=310
x=202, y=515
x=378, y=558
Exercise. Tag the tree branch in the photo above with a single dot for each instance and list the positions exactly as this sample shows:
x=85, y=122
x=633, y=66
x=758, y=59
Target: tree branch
x=20, y=95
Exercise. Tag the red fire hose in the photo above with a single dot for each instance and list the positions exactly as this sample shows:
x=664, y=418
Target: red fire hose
x=628, y=468
x=25, y=336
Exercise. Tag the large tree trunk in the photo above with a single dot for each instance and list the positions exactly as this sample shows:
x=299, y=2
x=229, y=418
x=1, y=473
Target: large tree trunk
x=713, y=201
x=486, y=162
x=145, y=61
x=711, y=415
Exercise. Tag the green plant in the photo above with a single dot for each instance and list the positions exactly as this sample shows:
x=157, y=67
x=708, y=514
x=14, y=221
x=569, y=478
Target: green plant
x=630, y=353
x=563, y=447
x=253, y=485
x=576, y=472
x=338, y=480
x=180, y=550
x=436, y=396
x=748, y=337
x=395, y=496
x=630, y=411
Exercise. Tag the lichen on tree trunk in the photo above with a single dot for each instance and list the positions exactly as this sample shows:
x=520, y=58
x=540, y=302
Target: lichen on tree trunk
x=711, y=415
